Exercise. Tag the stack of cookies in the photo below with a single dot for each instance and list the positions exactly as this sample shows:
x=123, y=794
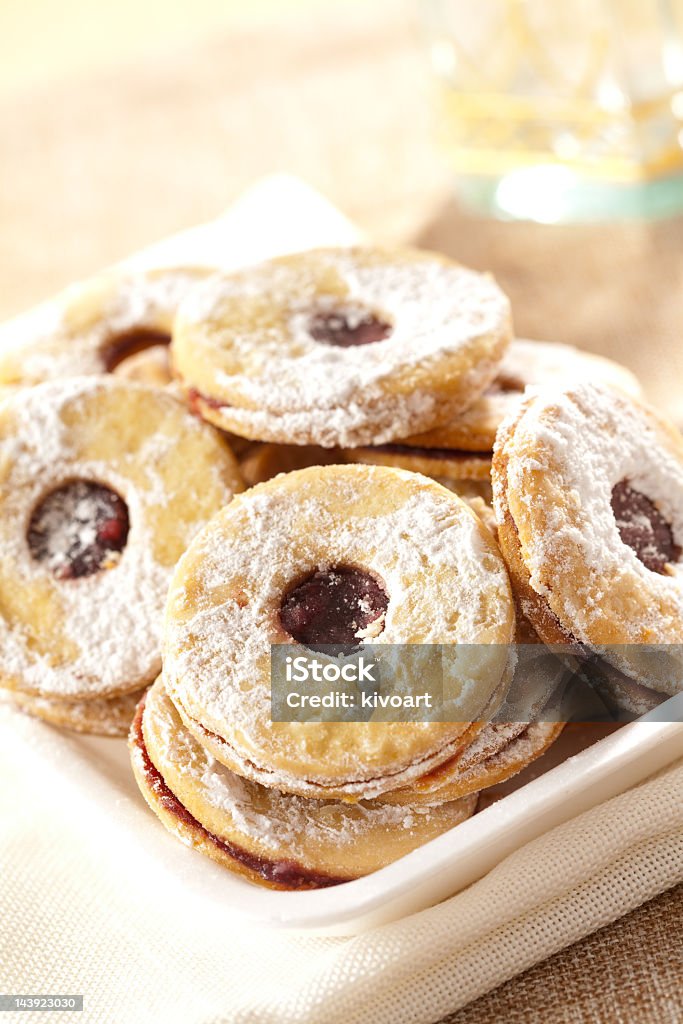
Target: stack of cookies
x=460, y=453
x=417, y=476
x=334, y=555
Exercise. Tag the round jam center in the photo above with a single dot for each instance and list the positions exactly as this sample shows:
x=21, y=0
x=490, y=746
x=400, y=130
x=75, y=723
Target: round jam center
x=79, y=529
x=347, y=328
x=643, y=527
x=123, y=346
x=341, y=605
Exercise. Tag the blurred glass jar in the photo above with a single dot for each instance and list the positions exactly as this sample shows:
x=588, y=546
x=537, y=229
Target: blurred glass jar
x=554, y=110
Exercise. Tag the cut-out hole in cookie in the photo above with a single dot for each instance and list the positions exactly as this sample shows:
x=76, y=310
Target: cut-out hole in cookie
x=346, y=328
x=122, y=346
x=339, y=606
x=78, y=529
x=643, y=528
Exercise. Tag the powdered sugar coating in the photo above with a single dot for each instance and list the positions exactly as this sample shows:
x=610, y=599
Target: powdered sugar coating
x=99, y=634
x=73, y=334
x=526, y=363
x=346, y=838
x=446, y=585
x=496, y=753
x=490, y=761
x=243, y=342
x=558, y=462
x=78, y=529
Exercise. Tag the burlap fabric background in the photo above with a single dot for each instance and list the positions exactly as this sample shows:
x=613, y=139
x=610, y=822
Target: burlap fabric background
x=96, y=168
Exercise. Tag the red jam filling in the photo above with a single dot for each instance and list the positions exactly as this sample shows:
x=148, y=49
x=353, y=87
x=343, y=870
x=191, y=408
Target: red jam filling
x=78, y=529
x=347, y=329
x=643, y=528
x=340, y=605
x=284, y=873
x=196, y=399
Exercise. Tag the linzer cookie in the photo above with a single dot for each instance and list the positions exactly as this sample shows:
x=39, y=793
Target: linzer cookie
x=340, y=346
x=93, y=327
x=333, y=555
x=104, y=485
x=273, y=838
x=293, y=842
x=588, y=492
x=461, y=450
x=536, y=364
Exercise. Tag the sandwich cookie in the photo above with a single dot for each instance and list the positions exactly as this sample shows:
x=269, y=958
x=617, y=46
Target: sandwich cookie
x=94, y=327
x=588, y=494
x=526, y=363
x=104, y=485
x=461, y=450
x=350, y=555
x=340, y=347
x=271, y=838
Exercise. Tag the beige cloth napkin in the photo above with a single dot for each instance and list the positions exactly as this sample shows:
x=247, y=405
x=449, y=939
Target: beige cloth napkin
x=85, y=910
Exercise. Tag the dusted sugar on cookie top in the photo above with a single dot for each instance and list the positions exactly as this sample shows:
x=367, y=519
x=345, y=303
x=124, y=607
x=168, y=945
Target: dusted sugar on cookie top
x=461, y=449
x=104, y=485
x=339, y=554
x=588, y=491
x=96, y=326
x=340, y=346
x=525, y=364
